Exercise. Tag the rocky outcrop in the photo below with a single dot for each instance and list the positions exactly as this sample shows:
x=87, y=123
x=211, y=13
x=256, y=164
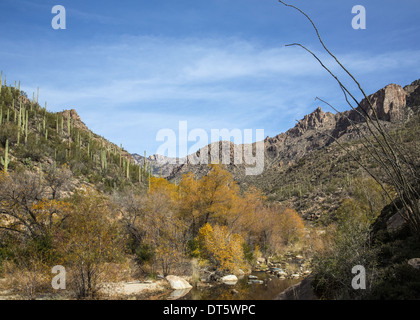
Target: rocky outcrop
x=312, y=121
x=413, y=95
x=75, y=118
x=388, y=104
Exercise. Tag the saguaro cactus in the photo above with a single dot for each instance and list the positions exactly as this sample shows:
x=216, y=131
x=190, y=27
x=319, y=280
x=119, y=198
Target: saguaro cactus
x=5, y=161
x=128, y=170
x=19, y=125
x=26, y=127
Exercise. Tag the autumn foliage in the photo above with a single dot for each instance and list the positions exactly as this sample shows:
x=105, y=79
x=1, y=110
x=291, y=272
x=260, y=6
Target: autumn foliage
x=212, y=219
x=208, y=219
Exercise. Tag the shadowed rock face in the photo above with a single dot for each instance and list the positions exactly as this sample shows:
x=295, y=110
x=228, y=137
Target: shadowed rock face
x=413, y=95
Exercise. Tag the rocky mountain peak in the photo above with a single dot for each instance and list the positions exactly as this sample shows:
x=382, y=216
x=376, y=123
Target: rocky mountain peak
x=313, y=120
x=389, y=104
x=74, y=116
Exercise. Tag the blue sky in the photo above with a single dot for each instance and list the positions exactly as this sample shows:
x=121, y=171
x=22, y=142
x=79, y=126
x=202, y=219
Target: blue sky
x=131, y=68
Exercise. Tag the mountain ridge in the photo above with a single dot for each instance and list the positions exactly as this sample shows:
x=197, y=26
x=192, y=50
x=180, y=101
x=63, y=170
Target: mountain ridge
x=393, y=105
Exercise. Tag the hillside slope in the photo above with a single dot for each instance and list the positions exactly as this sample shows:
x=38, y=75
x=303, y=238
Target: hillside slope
x=33, y=138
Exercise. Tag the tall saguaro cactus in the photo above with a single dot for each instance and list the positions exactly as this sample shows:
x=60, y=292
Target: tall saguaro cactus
x=5, y=161
x=19, y=125
x=26, y=127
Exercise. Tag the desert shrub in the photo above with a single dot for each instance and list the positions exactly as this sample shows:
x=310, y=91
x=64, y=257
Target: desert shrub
x=90, y=240
x=351, y=245
x=28, y=278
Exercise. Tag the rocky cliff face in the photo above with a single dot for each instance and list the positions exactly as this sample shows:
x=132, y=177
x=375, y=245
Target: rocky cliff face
x=388, y=104
x=413, y=95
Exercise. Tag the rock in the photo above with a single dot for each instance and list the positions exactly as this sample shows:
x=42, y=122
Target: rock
x=178, y=283
x=281, y=274
x=295, y=276
x=255, y=282
x=230, y=279
x=395, y=223
x=389, y=104
x=311, y=121
x=413, y=94
x=179, y=293
x=300, y=291
x=252, y=277
x=130, y=288
x=240, y=273
x=260, y=260
x=233, y=291
x=415, y=263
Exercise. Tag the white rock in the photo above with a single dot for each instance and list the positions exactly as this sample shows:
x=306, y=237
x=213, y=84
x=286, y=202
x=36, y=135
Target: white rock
x=178, y=283
x=415, y=263
x=281, y=274
x=230, y=279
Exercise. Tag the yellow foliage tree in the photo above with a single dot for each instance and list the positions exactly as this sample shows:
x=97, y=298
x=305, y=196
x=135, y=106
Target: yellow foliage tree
x=211, y=199
x=221, y=247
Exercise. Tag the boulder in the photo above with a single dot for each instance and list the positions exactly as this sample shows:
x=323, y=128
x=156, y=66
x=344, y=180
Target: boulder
x=178, y=283
x=281, y=274
x=240, y=273
x=255, y=281
x=415, y=263
x=396, y=222
x=229, y=279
